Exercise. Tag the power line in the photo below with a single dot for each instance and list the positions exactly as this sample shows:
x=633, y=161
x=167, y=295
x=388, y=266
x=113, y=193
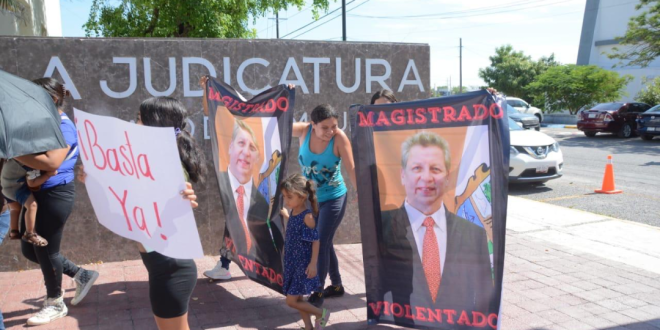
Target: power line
x=320, y=18
x=318, y=26
x=268, y=25
x=498, y=23
x=472, y=51
x=506, y=5
x=468, y=15
x=300, y=12
x=286, y=18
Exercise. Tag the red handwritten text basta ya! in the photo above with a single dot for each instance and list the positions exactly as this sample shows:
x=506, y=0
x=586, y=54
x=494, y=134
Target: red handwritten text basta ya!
x=120, y=159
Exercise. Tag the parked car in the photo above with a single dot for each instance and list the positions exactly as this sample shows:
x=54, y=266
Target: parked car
x=583, y=108
x=523, y=120
x=524, y=107
x=534, y=156
x=615, y=117
x=648, y=123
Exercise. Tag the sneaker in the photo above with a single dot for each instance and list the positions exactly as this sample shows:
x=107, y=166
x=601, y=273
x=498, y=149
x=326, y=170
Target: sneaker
x=46, y=297
x=218, y=273
x=322, y=321
x=316, y=299
x=53, y=309
x=333, y=291
x=84, y=280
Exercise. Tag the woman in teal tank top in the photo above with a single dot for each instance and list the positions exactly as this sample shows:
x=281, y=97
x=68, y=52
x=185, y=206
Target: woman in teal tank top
x=324, y=149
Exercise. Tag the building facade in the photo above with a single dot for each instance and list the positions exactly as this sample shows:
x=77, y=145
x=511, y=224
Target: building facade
x=604, y=21
x=32, y=18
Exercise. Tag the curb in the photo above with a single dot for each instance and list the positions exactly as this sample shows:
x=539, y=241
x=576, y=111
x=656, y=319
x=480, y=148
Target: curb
x=558, y=126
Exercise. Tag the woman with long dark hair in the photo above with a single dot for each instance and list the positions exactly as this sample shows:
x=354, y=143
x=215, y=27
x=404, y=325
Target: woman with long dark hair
x=55, y=200
x=171, y=281
x=384, y=96
x=324, y=149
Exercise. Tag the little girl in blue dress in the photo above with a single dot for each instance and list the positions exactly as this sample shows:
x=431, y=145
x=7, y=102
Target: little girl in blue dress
x=301, y=249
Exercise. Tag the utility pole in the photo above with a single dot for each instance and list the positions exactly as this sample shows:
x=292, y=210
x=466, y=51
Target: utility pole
x=277, y=23
x=343, y=19
x=460, y=66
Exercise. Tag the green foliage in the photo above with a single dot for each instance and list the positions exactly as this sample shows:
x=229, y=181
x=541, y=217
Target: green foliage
x=571, y=86
x=650, y=94
x=183, y=18
x=487, y=192
x=457, y=90
x=15, y=8
x=8, y=5
x=642, y=39
x=510, y=72
x=436, y=91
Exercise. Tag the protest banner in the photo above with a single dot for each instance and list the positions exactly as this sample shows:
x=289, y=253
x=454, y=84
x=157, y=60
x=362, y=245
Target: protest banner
x=112, y=76
x=432, y=181
x=251, y=140
x=134, y=179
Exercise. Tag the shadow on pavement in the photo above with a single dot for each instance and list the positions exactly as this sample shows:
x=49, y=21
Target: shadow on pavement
x=524, y=189
x=125, y=305
x=650, y=324
x=633, y=145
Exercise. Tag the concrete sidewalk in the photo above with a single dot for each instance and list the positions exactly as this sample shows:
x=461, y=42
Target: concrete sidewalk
x=565, y=269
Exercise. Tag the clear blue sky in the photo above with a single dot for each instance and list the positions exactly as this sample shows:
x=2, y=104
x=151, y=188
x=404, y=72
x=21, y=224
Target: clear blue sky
x=537, y=27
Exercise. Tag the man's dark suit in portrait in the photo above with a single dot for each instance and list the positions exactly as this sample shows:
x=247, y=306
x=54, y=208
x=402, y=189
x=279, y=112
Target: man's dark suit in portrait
x=246, y=209
x=430, y=258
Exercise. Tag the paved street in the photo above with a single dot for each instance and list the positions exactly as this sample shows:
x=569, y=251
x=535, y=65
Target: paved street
x=565, y=270
x=636, y=171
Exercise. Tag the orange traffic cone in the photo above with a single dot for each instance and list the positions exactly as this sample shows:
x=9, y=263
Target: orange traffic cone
x=608, y=179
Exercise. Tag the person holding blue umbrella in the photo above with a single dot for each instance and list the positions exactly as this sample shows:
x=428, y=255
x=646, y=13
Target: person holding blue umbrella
x=35, y=132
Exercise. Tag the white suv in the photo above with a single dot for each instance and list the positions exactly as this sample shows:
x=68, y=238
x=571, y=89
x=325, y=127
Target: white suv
x=524, y=107
x=534, y=156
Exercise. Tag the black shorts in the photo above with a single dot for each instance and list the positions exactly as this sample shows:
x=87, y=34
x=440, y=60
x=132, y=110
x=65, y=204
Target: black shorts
x=171, y=283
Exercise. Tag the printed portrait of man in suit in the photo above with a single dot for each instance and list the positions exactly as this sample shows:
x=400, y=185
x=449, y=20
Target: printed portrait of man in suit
x=430, y=257
x=246, y=209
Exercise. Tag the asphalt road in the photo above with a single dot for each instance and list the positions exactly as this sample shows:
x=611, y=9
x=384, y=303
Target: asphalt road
x=636, y=172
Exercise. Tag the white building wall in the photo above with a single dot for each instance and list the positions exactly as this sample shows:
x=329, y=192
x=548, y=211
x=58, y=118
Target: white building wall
x=32, y=18
x=611, y=22
x=53, y=18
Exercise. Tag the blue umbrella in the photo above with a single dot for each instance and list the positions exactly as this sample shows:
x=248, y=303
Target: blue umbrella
x=29, y=121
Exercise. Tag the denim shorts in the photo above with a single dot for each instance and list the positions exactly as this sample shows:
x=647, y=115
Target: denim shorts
x=22, y=194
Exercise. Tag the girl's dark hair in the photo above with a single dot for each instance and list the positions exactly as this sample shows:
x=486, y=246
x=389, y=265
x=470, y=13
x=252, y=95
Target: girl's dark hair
x=54, y=88
x=323, y=112
x=298, y=184
x=386, y=93
x=169, y=112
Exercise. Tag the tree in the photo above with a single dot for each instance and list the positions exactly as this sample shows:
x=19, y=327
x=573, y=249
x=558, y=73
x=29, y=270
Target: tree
x=9, y=5
x=457, y=90
x=642, y=37
x=183, y=18
x=650, y=94
x=510, y=71
x=439, y=91
x=571, y=86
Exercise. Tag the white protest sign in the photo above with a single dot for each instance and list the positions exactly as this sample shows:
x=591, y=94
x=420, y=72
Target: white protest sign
x=134, y=179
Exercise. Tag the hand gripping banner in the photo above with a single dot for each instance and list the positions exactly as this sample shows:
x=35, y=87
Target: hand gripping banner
x=432, y=183
x=251, y=140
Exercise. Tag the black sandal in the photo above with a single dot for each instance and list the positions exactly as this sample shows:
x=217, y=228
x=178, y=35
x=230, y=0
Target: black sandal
x=35, y=239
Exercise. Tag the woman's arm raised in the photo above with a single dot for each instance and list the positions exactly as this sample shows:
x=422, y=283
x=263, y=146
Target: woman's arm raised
x=202, y=83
